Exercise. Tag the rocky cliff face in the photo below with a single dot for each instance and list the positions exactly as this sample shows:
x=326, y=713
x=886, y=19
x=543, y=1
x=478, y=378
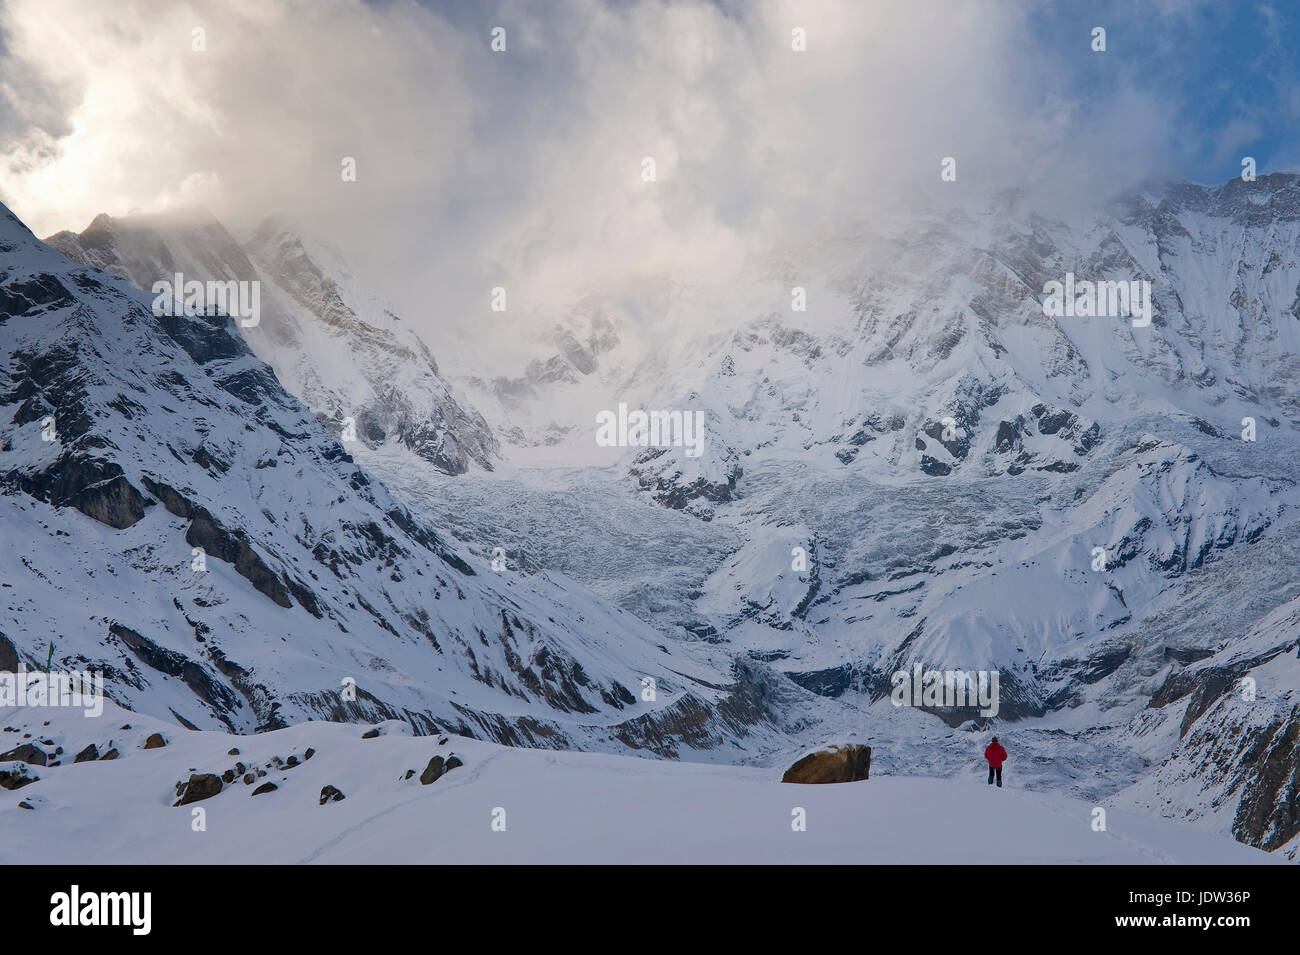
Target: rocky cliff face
x=1236, y=761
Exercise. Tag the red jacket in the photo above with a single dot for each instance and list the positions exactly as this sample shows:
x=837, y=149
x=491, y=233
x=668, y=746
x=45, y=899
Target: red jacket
x=995, y=754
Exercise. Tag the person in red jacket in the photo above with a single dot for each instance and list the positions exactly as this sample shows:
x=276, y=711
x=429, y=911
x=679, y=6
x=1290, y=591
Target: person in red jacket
x=996, y=756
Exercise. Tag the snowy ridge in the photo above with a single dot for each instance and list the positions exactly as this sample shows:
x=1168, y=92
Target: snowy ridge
x=332, y=342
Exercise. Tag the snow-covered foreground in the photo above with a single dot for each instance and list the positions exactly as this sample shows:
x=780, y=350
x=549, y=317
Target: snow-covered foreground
x=555, y=807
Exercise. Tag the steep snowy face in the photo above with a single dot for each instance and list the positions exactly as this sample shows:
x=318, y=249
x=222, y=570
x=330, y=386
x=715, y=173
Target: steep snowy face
x=927, y=466
x=184, y=526
x=953, y=327
x=1067, y=471
x=357, y=359
x=332, y=343
x=841, y=352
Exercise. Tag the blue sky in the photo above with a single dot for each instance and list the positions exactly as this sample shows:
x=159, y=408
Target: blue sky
x=1228, y=72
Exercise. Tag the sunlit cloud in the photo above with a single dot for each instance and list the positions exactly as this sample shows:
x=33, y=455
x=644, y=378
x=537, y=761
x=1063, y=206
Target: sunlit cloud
x=523, y=168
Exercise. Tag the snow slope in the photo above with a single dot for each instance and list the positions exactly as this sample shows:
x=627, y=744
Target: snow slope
x=556, y=807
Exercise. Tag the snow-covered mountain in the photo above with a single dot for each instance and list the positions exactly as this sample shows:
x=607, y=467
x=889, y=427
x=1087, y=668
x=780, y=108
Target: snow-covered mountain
x=922, y=468
x=1077, y=503
x=187, y=527
x=332, y=342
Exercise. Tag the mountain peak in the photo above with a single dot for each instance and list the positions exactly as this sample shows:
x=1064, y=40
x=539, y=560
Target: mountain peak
x=13, y=231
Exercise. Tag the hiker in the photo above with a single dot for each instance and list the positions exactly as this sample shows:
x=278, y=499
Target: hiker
x=996, y=756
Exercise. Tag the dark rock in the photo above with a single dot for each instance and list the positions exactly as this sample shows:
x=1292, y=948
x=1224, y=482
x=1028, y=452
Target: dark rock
x=452, y=762
x=8, y=657
x=248, y=779
x=934, y=467
x=233, y=547
x=89, y=753
x=265, y=788
x=33, y=296
x=200, y=786
x=25, y=805
x=1268, y=815
x=111, y=754
x=233, y=752
x=26, y=753
x=433, y=771
x=330, y=794
x=309, y=754
x=958, y=446
x=1008, y=436
x=835, y=764
x=230, y=546
x=832, y=682
x=240, y=769
x=409, y=774
x=155, y=741
x=291, y=762
x=370, y=734
x=16, y=779
x=228, y=776
x=1050, y=422
x=96, y=488
x=192, y=674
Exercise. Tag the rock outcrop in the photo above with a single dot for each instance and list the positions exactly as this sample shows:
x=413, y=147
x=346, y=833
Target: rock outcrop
x=834, y=764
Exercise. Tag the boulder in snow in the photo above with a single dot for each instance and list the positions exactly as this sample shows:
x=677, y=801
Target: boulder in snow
x=200, y=786
x=835, y=764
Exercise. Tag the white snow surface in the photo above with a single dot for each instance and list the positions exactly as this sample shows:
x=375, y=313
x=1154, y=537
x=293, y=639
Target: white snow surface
x=559, y=807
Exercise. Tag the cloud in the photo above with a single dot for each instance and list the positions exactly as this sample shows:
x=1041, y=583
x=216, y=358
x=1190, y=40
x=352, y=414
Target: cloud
x=523, y=168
